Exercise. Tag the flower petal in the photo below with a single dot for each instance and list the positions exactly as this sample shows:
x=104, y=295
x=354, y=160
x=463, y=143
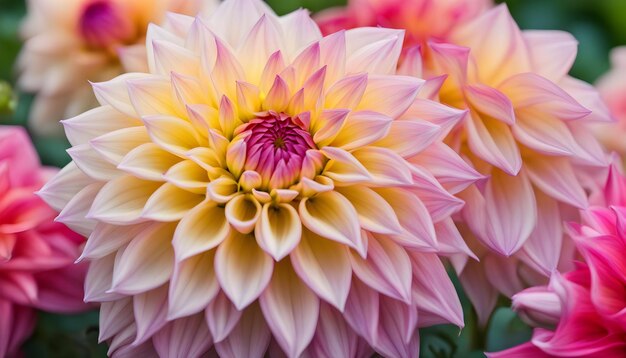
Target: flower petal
x=278, y=230
x=249, y=338
x=324, y=266
x=387, y=268
x=147, y=262
x=290, y=309
x=222, y=316
x=332, y=216
x=512, y=212
x=243, y=269
x=192, y=286
x=201, y=229
x=376, y=96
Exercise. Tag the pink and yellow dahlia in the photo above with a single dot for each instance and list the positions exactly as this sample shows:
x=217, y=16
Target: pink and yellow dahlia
x=36, y=254
x=423, y=20
x=527, y=129
x=264, y=183
x=612, y=87
x=583, y=312
x=67, y=45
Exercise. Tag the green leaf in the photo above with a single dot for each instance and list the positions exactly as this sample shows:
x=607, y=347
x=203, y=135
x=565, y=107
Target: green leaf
x=506, y=330
x=65, y=336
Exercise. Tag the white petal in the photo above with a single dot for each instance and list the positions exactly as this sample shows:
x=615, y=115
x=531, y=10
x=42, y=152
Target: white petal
x=150, y=311
x=147, y=262
x=278, y=230
x=122, y=200
x=192, y=286
x=325, y=267
x=170, y=203
x=290, y=309
x=243, y=269
x=332, y=216
x=200, y=230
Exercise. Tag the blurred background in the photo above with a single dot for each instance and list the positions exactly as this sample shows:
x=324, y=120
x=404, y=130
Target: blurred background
x=598, y=25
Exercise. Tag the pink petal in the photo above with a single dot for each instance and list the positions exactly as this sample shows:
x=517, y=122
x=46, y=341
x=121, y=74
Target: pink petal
x=222, y=317
x=543, y=247
x=243, y=269
x=150, y=309
x=249, y=338
x=556, y=177
x=376, y=96
x=433, y=291
x=512, y=211
x=333, y=337
x=192, y=285
x=147, y=262
x=373, y=50
x=491, y=102
x=493, y=142
x=397, y=334
x=290, y=309
x=325, y=267
x=386, y=269
x=552, y=53
x=362, y=310
x=529, y=90
x=185, y=337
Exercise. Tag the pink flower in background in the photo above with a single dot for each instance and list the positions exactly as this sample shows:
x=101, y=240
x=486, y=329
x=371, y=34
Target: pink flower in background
x=589, y=302
x=79, y=41
x=264, y=186
x=423, y=20
x=36, y=254
x=612, y=87
x=528, y=130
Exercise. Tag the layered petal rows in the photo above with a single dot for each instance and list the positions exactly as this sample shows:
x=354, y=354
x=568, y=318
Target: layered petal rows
x=262, y=187
x=36, y=254
x=528, y=129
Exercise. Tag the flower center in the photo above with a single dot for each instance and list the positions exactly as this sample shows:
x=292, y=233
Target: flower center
x=276, y=148
x=103, y=25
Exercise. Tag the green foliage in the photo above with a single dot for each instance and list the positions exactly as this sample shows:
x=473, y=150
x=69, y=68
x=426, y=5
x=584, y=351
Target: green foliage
x=65, y=336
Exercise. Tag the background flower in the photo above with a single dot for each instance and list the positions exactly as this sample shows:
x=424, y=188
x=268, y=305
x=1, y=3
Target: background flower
x=528, y=130
x=83, y=40
x=423, y=20
x=36, y=254
x=612, y=87
x=592, y=308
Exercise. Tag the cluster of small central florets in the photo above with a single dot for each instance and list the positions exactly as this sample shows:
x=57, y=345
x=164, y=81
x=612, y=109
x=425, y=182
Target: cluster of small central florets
x=276, y=146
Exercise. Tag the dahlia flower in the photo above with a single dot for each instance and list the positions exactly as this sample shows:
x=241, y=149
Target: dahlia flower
x=264, y=183
x=587, y=305
x=527, y=129
x=612, y=87
x=36, y=254
x=423, y=20
x=83, y=40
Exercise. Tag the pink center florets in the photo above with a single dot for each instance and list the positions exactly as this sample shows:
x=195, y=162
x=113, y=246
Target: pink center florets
x=103, y=25
x=275, y=148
